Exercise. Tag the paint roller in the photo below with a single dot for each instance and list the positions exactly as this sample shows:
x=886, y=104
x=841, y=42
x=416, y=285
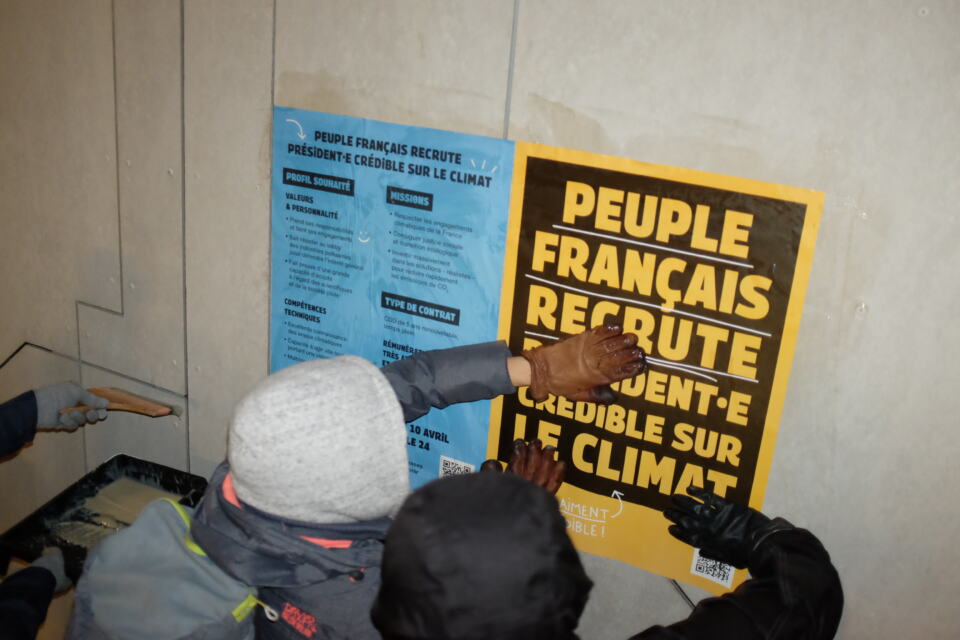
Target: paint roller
x=120, y=400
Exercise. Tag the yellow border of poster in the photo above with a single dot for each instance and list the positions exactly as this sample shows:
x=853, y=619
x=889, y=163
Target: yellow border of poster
x=659, y=552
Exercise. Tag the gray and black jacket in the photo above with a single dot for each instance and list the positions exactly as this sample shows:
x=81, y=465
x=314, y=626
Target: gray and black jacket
x=319, y=580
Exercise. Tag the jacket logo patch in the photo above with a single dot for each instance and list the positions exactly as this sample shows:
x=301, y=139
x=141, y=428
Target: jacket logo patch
x=303, y=622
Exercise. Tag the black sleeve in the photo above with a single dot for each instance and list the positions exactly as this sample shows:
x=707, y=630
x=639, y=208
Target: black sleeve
x=18, y=422
x=437, y=379
x=24, y=599
x=794, y=594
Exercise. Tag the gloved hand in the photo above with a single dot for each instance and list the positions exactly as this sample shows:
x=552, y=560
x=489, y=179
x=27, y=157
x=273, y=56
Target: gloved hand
x=721, y=529
x=51, y=399
x=582, y=366
x=534, y=462
x=52, y=560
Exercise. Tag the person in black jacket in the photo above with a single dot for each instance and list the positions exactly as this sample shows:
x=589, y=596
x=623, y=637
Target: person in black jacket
x=40, y=409
x=480, y=556
x=794, y=591
x=487, y=556
x=25, y=595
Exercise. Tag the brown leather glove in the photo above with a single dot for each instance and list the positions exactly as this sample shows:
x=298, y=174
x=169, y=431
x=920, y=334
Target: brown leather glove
x=582, y=366
x=533, y=462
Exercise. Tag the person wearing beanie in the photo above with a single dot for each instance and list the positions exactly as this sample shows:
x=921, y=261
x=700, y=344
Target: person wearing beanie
x=318, y=442
x=317, y=466
x=530, y=583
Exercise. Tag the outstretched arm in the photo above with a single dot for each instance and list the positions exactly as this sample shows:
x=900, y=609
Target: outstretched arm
x=41, y=409
x=437, y=379
x=794, y=591
x=579, y=367
x=18, y=422
x=518, y=368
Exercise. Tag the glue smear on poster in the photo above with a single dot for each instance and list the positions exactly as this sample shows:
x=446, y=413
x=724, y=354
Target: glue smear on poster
x=390, y=239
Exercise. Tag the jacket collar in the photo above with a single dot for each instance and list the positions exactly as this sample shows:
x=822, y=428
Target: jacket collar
x=267, y=551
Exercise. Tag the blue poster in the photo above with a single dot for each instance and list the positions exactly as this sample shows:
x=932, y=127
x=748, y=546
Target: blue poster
x=388, y=240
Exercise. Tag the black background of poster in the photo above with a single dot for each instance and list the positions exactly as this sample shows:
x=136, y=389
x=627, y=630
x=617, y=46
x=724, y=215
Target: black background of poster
x=774, y=242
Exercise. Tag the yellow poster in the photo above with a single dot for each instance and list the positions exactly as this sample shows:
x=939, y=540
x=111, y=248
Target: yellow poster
x=710, y=272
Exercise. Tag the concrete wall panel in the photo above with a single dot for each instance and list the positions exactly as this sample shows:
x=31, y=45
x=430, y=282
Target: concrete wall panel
x=146, y=340
x=623, y=598
x=843, y=97
x=228, y=74
x=428, y=62
x=58, y=220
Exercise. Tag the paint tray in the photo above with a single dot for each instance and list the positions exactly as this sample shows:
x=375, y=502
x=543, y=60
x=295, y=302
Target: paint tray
x=66, y=521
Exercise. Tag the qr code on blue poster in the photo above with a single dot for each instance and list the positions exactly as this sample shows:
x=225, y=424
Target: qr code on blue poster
x=714, y=570
x=451, y=467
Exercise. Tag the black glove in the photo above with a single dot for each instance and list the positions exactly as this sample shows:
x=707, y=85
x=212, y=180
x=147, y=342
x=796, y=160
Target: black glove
x=52, y=560
x=721, y=529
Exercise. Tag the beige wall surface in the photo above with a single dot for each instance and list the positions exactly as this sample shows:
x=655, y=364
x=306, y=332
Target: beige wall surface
x=134, y=222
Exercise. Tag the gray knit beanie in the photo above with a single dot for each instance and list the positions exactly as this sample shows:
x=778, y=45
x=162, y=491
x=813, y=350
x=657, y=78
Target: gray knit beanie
x=322, y=441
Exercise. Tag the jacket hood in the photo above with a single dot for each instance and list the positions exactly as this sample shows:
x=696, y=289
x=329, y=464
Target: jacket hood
x=263, y=550
x=483, y=555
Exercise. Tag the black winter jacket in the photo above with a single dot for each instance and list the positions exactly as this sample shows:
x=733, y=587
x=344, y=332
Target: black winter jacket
x=794, y=594
x=485, y=556
x=24, y=599
x=18, y=422
x=25, y=595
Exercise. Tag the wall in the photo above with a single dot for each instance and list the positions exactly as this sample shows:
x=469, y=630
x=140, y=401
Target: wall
x=134, y=191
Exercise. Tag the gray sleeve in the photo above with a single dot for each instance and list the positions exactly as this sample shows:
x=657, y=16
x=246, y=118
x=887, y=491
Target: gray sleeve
x=447, y=376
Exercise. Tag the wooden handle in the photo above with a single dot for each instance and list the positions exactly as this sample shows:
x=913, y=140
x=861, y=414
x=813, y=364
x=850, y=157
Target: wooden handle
x=125, y=401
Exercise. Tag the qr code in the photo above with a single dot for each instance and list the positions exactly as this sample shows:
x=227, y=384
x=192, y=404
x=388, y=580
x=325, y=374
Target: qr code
x=714, y=570
x=451, y=467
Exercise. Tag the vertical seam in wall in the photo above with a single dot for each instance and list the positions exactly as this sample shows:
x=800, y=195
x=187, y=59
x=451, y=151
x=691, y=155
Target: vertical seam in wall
x=183, y=219
x=116, y=153
x=513, y=55
x=83, y=432
x=273, y=70
x=273, y=102
x=116, y=162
